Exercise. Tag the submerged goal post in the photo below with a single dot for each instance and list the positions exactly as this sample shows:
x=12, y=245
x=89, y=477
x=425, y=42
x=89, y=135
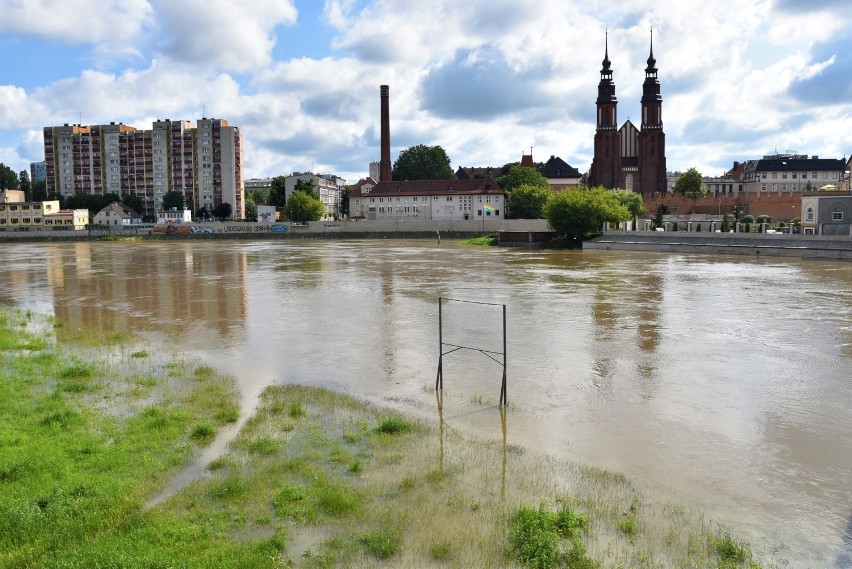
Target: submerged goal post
x=490, y=354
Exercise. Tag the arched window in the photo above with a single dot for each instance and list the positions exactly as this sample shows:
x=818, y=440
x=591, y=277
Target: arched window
x=809, y=214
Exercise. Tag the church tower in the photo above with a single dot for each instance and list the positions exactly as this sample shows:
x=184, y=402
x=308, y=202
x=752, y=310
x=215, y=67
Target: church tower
x=606, y=165
x=652, y=139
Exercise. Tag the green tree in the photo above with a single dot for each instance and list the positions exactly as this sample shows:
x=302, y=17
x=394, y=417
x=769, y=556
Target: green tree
x=223, y=210
x=39, y=191
x=133, y=202
x=748, y=220
x=8, y=178
x=344, y=200
x=250, y=207
x=423, y=162
x=577, y=214
x=25, y=186
x=520, y=176
x=632, y=201
x=277, y=192
x=658, y=217
x=302, y=207
x=726, y=223
x=690, y=184
x=527, y=201
x=173, y=199
x=308, y=187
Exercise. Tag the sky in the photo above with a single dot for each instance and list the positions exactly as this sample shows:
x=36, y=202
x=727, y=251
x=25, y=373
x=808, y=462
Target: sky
x=487, y=80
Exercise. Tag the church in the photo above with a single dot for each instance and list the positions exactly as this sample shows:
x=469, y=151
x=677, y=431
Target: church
x=627, y=157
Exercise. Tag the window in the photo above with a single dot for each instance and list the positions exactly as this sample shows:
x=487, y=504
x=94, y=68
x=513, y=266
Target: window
x=794, y=175
x=784, y=175
x=804, y=175
x=837, y=215
x=809, y=214
x=825, y=175
x=774, y=175
x=783, y=187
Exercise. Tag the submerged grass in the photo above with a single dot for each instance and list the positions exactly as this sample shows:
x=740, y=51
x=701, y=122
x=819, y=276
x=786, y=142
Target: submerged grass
x=314, y=479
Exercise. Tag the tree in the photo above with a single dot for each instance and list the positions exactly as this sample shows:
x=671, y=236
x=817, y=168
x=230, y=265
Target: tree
x=521, y=175
x=344, y=200
x=39, y=191
x=8, y=178
x=173, y=199
x=748, y=220
x=301, y=208
x=250, y=207
x=658, y=217
x=577, y=214
x=25, y=186
x=133, y=202
x=277, y=192
x=527, y=201
x=690, y=184
x=726, y=223
x=306, y=186
x=423, y=162
x=631, y=200
x=223, y=210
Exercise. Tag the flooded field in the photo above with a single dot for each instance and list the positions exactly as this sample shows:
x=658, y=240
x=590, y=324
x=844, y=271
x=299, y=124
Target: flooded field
x=722, y=380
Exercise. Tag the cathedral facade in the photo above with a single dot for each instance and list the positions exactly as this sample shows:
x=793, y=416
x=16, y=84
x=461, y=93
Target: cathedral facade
x=628, y=157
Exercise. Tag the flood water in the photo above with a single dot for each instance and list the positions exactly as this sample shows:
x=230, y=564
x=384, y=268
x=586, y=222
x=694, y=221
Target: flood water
x=725, y=382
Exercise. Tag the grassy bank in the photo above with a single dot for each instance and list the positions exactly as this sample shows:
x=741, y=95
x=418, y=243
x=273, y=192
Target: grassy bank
x=315, y=478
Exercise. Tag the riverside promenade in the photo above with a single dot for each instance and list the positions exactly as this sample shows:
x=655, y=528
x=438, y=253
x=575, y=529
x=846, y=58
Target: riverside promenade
x=751, y=244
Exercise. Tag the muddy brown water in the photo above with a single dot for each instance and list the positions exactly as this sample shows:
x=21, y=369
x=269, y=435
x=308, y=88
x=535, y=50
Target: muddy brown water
x=725, y=381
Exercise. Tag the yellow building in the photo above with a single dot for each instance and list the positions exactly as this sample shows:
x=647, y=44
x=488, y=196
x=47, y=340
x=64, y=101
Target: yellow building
x=26, y=216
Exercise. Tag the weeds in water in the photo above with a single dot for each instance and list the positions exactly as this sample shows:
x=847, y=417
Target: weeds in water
x=355, y=466
x=627, y=525
x=139, y=354
x=381, y=544
x=441, y=551
x=203, y=432
x=534, y=537
x=77, y=371
x=394, y=425
x=728, y=549
x=297, y=410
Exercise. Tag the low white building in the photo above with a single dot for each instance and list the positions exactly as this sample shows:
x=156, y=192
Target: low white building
x=117, y=214
x=438, y=200
x=174, y=215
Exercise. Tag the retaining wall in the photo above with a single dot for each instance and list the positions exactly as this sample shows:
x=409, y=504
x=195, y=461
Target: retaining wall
x=778, y=245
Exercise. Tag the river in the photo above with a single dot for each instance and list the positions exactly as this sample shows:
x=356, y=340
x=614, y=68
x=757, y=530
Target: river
x=725, y=381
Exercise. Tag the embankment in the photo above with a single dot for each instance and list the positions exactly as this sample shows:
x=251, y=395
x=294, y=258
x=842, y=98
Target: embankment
x=753, y=244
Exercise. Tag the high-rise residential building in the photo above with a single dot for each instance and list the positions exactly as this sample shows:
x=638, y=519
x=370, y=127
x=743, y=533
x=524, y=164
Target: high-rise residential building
x=202, y=161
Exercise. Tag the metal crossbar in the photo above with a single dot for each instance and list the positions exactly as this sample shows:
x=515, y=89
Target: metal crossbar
x=439, y=380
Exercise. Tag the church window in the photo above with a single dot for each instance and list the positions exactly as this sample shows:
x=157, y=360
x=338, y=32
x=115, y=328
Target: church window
x=809, y=214
x=837, y=215
x=628, y=183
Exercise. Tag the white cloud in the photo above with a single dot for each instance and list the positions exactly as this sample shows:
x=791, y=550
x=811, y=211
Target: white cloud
x=110, y=22
x=234, y=36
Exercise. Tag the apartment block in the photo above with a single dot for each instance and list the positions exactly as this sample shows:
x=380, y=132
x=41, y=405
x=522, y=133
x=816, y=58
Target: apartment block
x=203, y=161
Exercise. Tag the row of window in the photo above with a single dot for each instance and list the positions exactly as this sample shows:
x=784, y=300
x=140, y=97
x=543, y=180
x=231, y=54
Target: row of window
x=784, y=175
x=434, y=198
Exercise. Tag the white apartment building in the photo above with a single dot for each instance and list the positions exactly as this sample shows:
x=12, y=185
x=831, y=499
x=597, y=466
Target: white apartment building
x=202, y=161
x=792, y=173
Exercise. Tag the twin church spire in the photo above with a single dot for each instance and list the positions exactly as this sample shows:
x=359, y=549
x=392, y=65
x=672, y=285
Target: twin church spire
x=627, y=157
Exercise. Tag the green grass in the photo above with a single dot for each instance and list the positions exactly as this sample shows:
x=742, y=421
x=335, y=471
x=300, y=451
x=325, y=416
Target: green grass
x=487, y=241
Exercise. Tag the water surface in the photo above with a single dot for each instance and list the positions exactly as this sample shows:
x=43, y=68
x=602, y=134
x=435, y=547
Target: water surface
x=726, y=381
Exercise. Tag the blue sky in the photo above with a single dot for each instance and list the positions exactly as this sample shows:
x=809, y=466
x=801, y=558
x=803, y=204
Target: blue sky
x=485, y=79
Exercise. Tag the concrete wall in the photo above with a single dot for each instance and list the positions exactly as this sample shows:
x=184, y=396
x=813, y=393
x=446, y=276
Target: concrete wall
x=778, y=245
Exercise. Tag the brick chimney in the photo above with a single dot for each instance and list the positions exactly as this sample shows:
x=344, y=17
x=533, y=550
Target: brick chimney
x=385, y=162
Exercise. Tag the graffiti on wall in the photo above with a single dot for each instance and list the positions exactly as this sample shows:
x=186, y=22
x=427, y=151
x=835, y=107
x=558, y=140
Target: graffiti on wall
x=186, y=229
